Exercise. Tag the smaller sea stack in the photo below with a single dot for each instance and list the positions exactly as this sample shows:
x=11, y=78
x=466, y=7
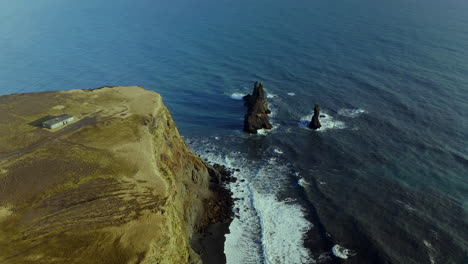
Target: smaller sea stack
x=315, y=123
x=257, y=113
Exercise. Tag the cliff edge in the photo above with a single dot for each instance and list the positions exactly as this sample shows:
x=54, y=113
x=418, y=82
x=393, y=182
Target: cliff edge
x=116, y=185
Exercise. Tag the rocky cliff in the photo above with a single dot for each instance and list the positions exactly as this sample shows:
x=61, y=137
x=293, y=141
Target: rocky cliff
x=117, y=185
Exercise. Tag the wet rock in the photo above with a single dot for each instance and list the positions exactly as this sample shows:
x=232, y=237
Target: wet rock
x=220, y=208
x=215, y=176
x=225, y=173
x=315, y=123
x=257, y=110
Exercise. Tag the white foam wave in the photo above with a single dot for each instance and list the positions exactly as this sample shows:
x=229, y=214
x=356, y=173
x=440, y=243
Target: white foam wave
x=341, y=252
x=278, y=151
x=352, y=113
x=241, y=245
x=237, y=96
x=302, y=182
x=291, y=94
x=326, y=120
x=431, y=251
x=267, y=230
x=270, y=95
x=283, y=227
x=263, y=132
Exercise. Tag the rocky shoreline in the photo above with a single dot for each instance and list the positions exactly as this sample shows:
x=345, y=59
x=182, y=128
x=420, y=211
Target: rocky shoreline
x=209, y=241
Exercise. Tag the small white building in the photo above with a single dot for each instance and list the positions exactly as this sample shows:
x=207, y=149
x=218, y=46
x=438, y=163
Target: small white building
x=58, y=121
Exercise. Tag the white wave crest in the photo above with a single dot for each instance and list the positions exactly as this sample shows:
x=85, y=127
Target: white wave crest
x=341, y=252
x=237, y=96
x=266, y=230
x=263, y=132
x=302, y=182
x=283, y=228
x=352, y=113
x=291, y=94
x=278, y=151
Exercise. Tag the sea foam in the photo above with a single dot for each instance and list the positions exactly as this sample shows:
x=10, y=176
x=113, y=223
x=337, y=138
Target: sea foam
x=341, y=252
x=283, y=227
x=278, y=151
x=301, y=182
x=267, y=230
x=352, y=113
x=326, y=120
x=237, y=96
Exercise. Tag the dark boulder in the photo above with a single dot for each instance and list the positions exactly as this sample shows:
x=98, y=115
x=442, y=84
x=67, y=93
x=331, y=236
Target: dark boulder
x=257, y=110
x=233, y=180
x=315, y=123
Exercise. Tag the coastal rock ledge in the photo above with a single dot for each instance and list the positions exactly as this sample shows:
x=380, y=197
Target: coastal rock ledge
x=116, y=185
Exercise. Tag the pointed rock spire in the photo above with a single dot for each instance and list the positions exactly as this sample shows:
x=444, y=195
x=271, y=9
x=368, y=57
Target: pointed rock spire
x=315, y=123
x=257, y=110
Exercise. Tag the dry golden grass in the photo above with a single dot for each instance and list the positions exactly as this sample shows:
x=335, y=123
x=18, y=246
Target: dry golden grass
x=116, y=186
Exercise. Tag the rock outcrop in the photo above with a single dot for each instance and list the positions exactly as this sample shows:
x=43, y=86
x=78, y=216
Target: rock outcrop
x=315, y=123
x=118, y=185
x=257, y=110
x=221, y=206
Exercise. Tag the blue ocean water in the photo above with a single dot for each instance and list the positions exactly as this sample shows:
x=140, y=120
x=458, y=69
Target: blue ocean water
x=385, y=178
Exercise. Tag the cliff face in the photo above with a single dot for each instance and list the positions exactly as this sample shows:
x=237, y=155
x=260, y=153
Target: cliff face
x=118, y=185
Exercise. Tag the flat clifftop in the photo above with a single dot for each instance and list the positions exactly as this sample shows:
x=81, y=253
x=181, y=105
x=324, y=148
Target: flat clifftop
x=116, y=185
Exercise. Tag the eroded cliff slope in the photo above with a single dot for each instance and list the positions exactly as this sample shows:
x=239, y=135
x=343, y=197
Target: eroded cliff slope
x=118, y=185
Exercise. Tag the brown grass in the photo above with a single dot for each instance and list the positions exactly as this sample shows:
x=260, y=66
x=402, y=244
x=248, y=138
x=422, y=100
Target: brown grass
x=117, y=186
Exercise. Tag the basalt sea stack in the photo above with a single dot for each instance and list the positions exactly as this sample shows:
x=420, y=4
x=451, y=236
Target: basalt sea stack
x=257, y=113
x=315, y=123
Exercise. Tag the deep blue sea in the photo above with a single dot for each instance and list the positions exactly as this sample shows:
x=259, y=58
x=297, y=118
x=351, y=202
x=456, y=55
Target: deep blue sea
x=386, y=178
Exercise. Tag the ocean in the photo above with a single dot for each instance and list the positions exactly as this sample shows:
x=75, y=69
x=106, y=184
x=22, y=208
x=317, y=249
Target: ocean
x=385, y=180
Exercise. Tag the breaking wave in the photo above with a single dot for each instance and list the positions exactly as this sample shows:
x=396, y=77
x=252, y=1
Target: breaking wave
x=326, y=120
x=237, y=96
x=267, y=230
x=352, y=113
x=341, y=252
